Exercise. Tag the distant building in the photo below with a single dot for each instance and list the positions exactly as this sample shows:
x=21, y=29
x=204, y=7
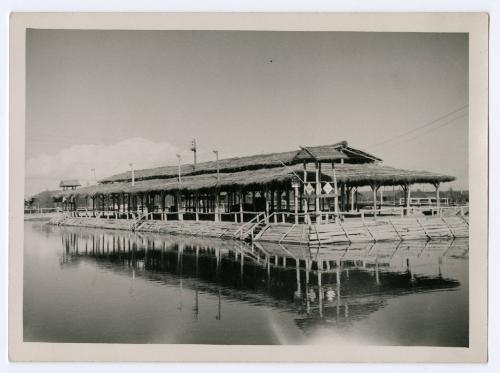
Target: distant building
x=69, y=184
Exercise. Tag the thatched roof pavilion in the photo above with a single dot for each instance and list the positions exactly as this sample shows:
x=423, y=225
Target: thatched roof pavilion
x=315, y=177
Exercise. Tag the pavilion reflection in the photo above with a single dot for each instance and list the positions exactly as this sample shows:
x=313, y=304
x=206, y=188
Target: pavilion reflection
x=331, y=285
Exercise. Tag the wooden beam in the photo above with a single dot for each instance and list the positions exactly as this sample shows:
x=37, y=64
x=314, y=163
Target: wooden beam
x=336, y=190
x=318, y=192
x=304, y=194
x=296, y=203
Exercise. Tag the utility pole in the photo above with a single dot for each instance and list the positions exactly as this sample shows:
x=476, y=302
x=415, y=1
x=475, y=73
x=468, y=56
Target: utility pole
x=133, y=173
x=217, y=197
x=216, y=152
x=179, y=166
x=193, y=149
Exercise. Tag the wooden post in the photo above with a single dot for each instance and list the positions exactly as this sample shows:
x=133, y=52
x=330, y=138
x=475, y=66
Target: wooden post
x=296, y=203
x=318, y=192
x=240, y=202
x=216, y=207
x=342, y=197
x=336, y=190
x=196, y=207
x=266, y=193
x=353, y=191
x=306, y=201
x=438, y=202
x=408, y=199
x=374, y=188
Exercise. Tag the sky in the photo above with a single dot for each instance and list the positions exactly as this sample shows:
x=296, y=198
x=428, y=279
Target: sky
x=104, y=99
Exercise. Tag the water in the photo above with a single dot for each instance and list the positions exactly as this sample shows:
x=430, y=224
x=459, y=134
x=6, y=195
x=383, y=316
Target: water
x=91, y=285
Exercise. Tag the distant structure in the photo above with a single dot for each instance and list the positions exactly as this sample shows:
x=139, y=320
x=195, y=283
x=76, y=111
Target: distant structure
x=69, y=184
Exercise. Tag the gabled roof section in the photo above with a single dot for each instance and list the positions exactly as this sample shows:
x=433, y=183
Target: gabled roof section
x=326, y=153
x=356, y=154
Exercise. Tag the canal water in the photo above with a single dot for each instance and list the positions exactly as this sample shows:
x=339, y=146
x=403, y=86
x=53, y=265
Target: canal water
x=105, y=286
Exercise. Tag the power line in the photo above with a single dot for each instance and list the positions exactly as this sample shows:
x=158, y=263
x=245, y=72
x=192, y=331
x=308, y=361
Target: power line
x=418, y=128
x=430, y=130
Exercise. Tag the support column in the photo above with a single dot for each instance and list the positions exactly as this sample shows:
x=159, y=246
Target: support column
x=374, y=189
x=438, y=202
x=318, y=192
x=336, y=190
x=304, y=194
x=409, y=198
x=196, y=207
x=216, y=207
x=240, y=202
x=296, y=203
x=266, y=194
x=342, y=196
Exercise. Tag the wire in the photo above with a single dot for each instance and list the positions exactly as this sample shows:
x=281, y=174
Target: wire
x=430, y=130
x=418, y=128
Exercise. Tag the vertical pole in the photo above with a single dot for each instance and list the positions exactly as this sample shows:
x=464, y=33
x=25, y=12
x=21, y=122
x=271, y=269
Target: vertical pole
x=132, y=173
x=342, y=197
x=240, y=202
x=296, y=203
x=318, y=192
x=374, y=188
x=178, y=168
x=196, y=207
x=266, y=193
x=438, y=202
x=336, y=190
x=216, y=207
x=352, y=198
x=408, y=198
x=306, y=201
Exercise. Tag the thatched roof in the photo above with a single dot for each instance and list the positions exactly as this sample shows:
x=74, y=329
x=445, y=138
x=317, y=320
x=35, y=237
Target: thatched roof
x=352, y=174
x=327, y=152
x=366, y=174
x=69, y=183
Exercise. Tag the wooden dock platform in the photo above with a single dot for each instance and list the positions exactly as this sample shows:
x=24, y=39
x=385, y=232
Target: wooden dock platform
x=349, y=231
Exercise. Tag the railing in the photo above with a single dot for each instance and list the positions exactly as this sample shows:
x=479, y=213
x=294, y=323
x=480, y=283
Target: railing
x=42, y=210
x=423, y=201
x=249, y=226
x=276, y=217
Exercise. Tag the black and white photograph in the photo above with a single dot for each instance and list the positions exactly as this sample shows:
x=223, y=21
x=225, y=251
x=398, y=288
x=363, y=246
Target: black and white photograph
x=246, y=187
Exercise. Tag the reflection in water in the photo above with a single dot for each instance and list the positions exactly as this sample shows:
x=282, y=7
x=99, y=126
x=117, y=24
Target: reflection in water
x=322, y=291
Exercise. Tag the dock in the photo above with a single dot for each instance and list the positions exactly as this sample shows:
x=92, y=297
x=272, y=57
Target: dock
x=267, y=229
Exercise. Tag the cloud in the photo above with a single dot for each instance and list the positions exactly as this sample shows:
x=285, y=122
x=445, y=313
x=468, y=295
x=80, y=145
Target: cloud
x=45, y=171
